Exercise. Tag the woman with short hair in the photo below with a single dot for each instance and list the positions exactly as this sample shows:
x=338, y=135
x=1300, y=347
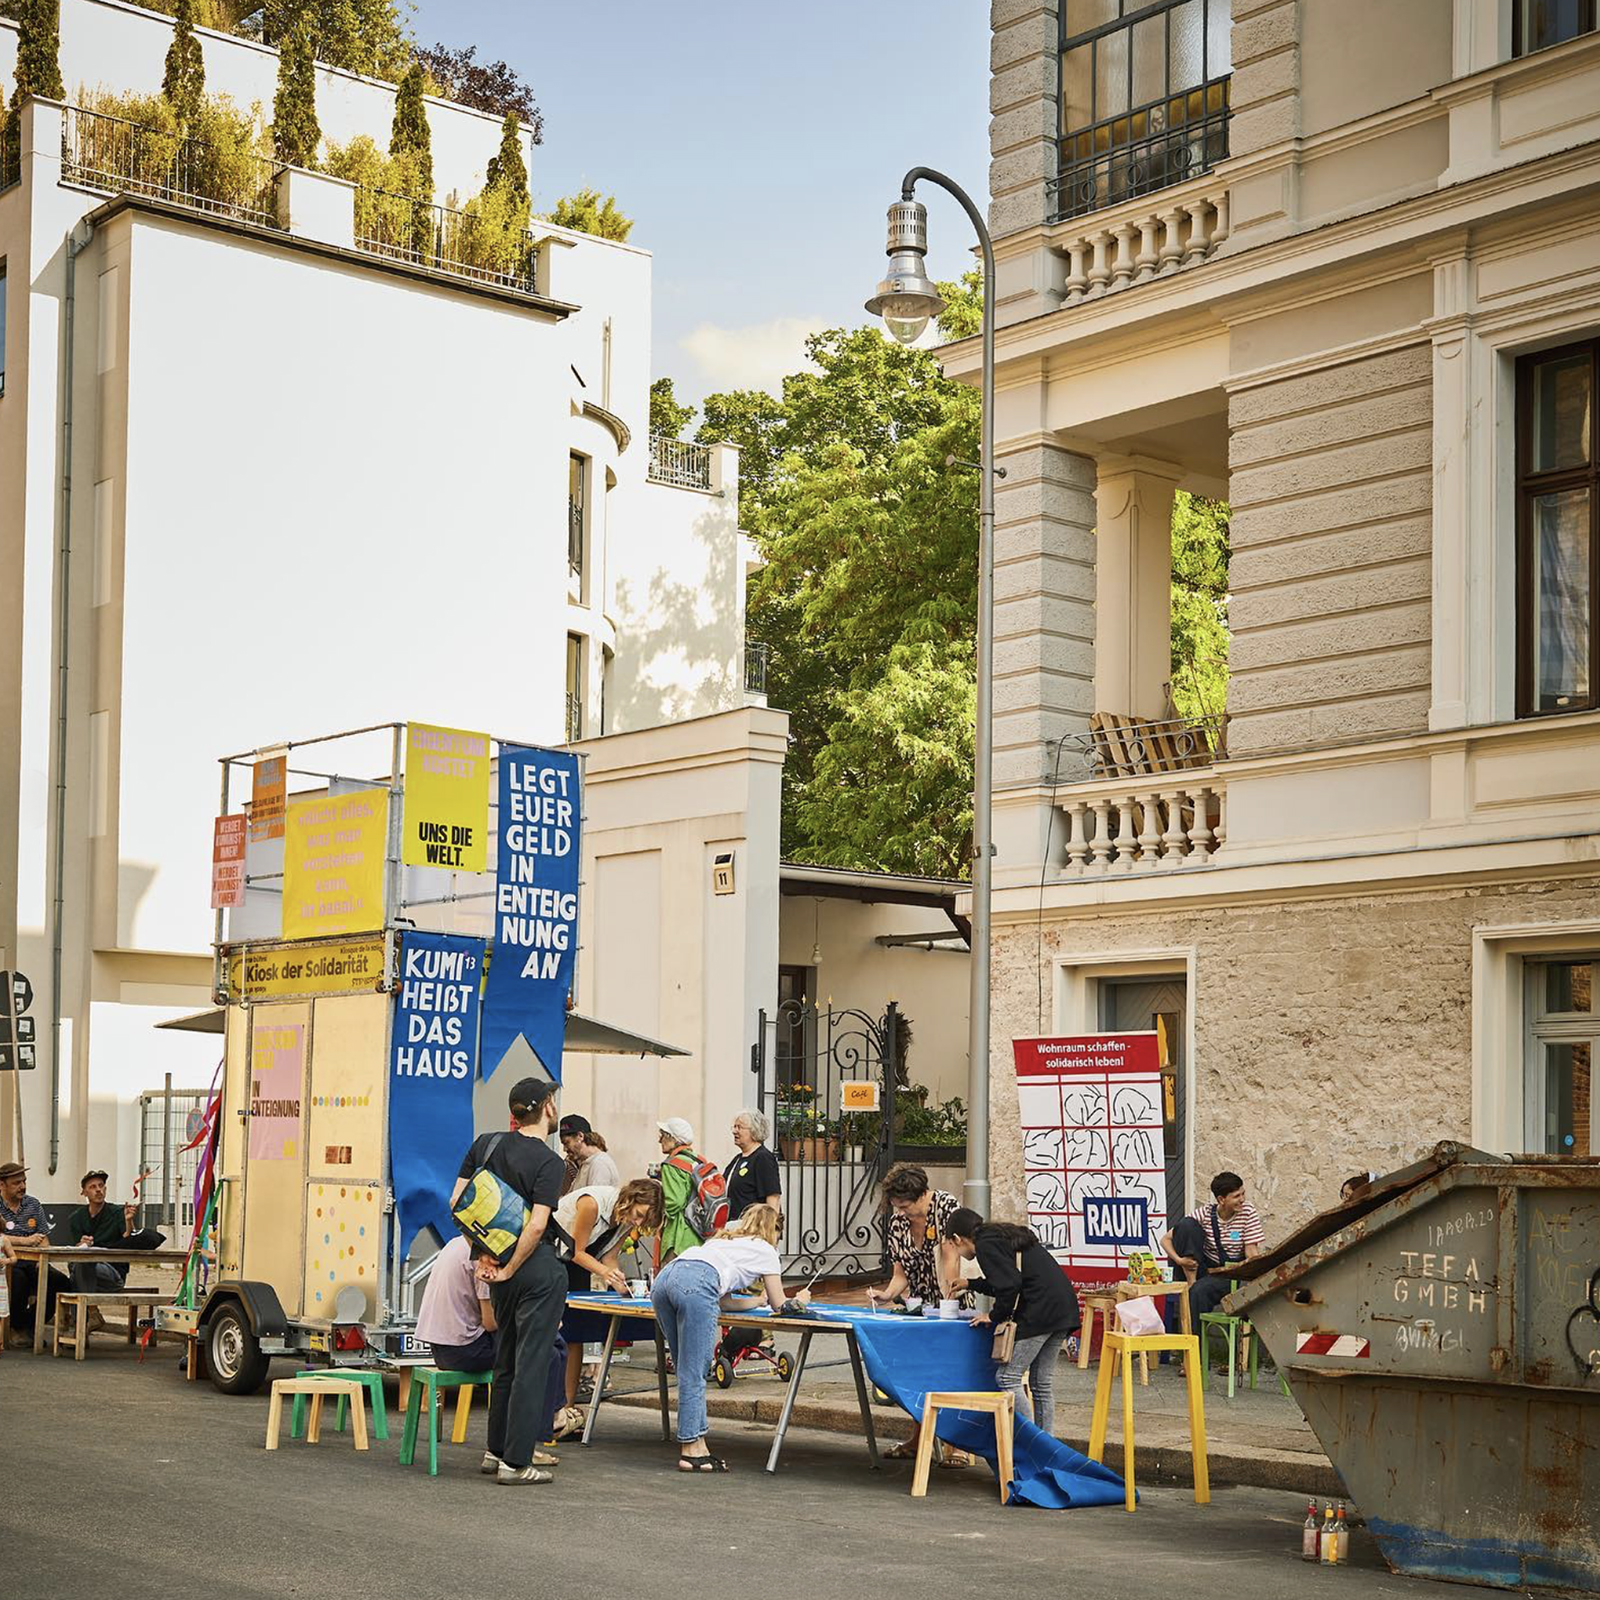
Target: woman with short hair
x=1029, y=1288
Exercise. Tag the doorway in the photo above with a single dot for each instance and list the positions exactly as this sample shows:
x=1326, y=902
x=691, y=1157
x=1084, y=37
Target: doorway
x=1137, y=1005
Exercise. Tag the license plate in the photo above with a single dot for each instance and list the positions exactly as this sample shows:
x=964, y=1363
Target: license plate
x=411, y=1345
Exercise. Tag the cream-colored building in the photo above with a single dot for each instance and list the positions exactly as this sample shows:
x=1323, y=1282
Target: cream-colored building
x=265, y=475
x=1339, y=262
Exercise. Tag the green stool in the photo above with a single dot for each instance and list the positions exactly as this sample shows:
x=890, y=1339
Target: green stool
x=372, y=1382
x=433, y=1380
x=1232, y=1328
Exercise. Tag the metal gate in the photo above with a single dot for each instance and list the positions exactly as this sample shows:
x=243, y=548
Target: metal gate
x=831, y=1159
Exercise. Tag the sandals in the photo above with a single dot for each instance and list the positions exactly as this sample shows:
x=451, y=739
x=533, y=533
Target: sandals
x=702, y=1464
x=904, y=1451
x=568, y=1421
x=944, y=1455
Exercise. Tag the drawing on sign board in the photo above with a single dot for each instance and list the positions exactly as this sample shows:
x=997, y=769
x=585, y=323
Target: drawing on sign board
x=1133, y=1150
x=1042, y=1148
x=1133, y=1108
x=1083, y=1184
x=1047, y=1192
x=1054, y=1233
x=1140, y=1189
x=1084, y=1147
x=1084, y=1107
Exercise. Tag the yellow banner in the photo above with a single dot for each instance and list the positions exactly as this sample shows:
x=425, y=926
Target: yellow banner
x=447, y=799
x=338, y=968
x=333, y=863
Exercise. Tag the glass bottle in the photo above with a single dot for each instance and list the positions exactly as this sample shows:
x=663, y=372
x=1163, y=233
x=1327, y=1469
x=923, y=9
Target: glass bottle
x=1311, y=1537
x=1344, y=1536
x=1330, y=1537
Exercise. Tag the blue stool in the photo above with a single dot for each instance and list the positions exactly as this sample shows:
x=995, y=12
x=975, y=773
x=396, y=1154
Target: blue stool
x=372, y=1382
x=433, y=1380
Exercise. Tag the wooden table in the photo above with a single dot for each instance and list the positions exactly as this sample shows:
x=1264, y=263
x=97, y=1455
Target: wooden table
x=621, y=1310
x=71, y=1255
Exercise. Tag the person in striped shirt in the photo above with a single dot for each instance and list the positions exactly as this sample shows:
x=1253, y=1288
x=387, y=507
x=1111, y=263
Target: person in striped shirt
x=1202, y=1243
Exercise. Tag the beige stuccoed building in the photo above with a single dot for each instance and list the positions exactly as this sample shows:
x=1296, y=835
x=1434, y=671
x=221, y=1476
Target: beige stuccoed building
x=1337, y=261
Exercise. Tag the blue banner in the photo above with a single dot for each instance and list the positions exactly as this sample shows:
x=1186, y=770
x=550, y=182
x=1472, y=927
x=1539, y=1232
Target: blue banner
x=535, y=908
x=431, y=1052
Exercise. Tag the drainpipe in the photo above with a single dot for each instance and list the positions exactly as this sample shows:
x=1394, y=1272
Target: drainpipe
x=77, y=240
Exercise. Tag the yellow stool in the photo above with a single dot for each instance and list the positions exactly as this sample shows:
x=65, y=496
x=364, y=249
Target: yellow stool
x=1119, y=1350
x=999, y=1404
x=319, y=1389
x=1106, y=1306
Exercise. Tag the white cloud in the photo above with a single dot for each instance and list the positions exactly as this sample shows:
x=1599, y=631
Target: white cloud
x=755, y=357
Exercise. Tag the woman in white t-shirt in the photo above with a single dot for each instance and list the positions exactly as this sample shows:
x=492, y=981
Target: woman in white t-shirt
x=692, y=1289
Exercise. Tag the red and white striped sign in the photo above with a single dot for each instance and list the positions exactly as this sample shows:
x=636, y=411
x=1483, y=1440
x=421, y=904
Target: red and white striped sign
x=1331, y=1344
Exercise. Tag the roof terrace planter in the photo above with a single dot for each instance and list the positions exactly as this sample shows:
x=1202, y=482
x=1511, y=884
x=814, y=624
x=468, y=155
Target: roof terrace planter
x=404, y=228
x=112, y=155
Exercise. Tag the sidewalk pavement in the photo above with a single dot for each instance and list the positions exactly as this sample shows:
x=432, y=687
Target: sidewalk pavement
x=1258, y=1439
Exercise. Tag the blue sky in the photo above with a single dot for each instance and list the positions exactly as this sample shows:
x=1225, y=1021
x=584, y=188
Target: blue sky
x=756, y=145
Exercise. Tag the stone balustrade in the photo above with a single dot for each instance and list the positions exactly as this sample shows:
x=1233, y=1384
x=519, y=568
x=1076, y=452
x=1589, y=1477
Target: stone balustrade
x=1142, y=240
x=1144, y=824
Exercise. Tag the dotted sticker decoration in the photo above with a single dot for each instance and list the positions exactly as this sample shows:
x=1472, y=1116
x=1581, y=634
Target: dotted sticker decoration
x=336, y=1214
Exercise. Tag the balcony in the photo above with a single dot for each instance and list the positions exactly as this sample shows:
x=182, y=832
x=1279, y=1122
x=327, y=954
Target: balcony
x=574, y=718
x=679, y=463
x=755, y=667
x=465, y=246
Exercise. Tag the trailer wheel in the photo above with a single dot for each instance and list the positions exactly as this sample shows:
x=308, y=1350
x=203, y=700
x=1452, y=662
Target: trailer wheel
x=236, y=1360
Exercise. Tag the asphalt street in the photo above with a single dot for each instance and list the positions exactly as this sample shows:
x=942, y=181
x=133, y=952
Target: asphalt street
x=123, y=1479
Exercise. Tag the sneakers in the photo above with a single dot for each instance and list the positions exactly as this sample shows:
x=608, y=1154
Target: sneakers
x=490, y=1464
x=527, y=1474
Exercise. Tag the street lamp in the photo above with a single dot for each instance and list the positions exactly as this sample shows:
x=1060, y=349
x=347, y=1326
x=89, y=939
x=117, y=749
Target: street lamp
x=906, y=299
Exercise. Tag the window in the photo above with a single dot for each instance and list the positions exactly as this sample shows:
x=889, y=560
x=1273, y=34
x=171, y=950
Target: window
x=1558, y=552
x=574, y=687
x=1538, y=24
x=1563, y=1010
x=1144, y=97
x=577, y=497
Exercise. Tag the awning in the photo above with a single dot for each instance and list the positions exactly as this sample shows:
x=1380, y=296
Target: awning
x=583, y=1033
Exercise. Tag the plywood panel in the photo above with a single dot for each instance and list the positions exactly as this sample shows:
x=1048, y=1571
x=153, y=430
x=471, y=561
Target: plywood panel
x=230, y=1156
x=346, y=1095
x=274, y=1173
x=344, y=1235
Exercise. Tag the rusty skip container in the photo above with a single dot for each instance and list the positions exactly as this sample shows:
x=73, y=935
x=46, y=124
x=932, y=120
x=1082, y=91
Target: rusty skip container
x=1442, y=1335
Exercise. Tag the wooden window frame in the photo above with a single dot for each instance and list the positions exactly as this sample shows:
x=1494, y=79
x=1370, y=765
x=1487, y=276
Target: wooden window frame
x=1519, y=47
x=1532, y=484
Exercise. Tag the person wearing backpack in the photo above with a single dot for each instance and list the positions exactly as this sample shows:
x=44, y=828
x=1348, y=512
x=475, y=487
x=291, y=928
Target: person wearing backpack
x=694, y=1193
x=528, y=1288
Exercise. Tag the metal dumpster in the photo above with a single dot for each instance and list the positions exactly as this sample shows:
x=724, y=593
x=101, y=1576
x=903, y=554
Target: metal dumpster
x=1442, y=1335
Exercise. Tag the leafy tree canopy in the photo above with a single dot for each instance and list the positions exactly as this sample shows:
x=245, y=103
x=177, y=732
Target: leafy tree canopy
x=507, y=171
x=1199, y=606
x=296, y=133
x=38, y=69
x=493, y=86
x=668, y=418
x=587, y=212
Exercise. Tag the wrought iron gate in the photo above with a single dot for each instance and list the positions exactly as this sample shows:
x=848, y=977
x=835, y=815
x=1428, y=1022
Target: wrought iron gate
x=832, y=1160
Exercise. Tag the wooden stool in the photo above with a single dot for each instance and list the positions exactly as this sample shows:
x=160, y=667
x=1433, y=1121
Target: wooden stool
x=81, y=1304
x=429, y=1381
x=1106, y=1305
x=372, y=1382
x=1119, y=1350
x=319, y=1389
x=998, y=1404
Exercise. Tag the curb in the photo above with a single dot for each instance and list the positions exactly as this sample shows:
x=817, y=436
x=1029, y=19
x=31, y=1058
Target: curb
x=1292, y=1471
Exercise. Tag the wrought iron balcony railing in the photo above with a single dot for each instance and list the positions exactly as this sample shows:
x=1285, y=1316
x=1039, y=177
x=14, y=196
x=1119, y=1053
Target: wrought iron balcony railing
x=755, y=667
x=404, y=228
x=680, y=463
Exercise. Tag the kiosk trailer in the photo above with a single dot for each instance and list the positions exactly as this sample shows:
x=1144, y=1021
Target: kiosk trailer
x=355, y=897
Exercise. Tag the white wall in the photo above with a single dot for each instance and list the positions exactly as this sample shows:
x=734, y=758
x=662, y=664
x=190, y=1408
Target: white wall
x=856, y=973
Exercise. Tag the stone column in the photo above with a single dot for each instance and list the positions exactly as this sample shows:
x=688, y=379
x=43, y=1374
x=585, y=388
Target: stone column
x=1044, y=607
x=1133, y=585
x=1264, y=120
x=1022, y=100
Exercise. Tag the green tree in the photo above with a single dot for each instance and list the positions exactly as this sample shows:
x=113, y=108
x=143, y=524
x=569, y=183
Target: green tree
x=1200, y=634
x=183, y=83
x=962, y=317
x=38, y=69
x=587, y=212
x=507, y=171
x=668, y=418
x=411, y=141
x=296, y=133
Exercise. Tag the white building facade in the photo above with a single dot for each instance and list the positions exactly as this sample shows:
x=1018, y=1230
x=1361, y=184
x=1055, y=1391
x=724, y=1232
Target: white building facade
x=1337, y=261
x=262, y=478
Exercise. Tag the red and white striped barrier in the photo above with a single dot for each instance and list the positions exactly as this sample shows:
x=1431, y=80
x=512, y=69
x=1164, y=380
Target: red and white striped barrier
x=1331, y=1344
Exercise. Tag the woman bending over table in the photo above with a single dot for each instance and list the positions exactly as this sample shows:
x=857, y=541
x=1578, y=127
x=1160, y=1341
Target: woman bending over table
x=1028, y=1285
x=598, y=1219
x=926, y=1266
x=692, y=1288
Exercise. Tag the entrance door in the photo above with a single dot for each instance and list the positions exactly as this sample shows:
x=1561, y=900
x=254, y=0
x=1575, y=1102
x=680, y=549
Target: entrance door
x=1135, y=1005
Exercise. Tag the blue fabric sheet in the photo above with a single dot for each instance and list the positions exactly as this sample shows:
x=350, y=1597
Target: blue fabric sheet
x=907, y=1357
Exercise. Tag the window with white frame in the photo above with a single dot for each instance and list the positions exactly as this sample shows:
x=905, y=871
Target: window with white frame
x=1562, y=1013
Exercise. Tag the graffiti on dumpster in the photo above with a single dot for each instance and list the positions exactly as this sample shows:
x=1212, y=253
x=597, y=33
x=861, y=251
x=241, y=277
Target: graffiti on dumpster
x=1467, y=1222
x=1439, y=1288
x=1588, y=1362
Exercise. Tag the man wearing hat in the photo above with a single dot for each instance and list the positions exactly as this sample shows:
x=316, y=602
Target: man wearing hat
x=588, y=1161
x=680, y=1162
x=23, y=1222
x=96, y=1223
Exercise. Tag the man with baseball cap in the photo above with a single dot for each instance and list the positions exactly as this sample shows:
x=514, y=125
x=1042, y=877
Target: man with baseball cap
x=677, y=1187
x=589, y=1163
x=529, y=1292
x=96, y=1223
x=23, y=1222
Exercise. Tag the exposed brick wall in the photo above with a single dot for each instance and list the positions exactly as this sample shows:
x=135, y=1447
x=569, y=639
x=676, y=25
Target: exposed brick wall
x=1330, y=1035
x=1331, y=493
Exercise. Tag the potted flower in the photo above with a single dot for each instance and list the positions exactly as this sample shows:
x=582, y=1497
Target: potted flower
x=795, y=1117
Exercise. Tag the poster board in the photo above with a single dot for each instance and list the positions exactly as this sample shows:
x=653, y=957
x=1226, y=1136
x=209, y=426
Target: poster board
x=334, y=862
x=446, y=808
x=1094, y=1158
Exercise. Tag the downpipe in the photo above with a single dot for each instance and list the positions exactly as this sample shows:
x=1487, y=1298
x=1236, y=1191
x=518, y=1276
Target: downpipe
x=78, y=239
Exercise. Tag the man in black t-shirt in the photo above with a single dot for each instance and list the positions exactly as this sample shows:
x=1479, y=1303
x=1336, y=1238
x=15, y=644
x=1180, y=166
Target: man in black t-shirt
x=529, y=1292
x=752, y=1175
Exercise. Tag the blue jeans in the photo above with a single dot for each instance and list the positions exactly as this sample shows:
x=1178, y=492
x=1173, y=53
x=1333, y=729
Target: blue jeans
x=687, y=1298
x=90, y=1276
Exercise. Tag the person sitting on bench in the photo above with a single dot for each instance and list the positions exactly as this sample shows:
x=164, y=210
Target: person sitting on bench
x=1205, y=1241
x=23, y=1222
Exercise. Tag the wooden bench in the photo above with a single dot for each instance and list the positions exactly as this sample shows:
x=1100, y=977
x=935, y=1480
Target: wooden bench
x=82, y=1303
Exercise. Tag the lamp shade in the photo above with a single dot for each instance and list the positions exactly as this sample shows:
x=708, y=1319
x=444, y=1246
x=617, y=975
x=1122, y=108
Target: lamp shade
x=907, y=297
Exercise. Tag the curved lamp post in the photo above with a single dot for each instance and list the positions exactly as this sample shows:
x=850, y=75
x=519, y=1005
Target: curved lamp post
x=906, y=299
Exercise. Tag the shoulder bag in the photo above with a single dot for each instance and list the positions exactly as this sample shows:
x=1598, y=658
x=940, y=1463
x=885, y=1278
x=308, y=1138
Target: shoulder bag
x=492, y=1214
x=1005, y=1333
